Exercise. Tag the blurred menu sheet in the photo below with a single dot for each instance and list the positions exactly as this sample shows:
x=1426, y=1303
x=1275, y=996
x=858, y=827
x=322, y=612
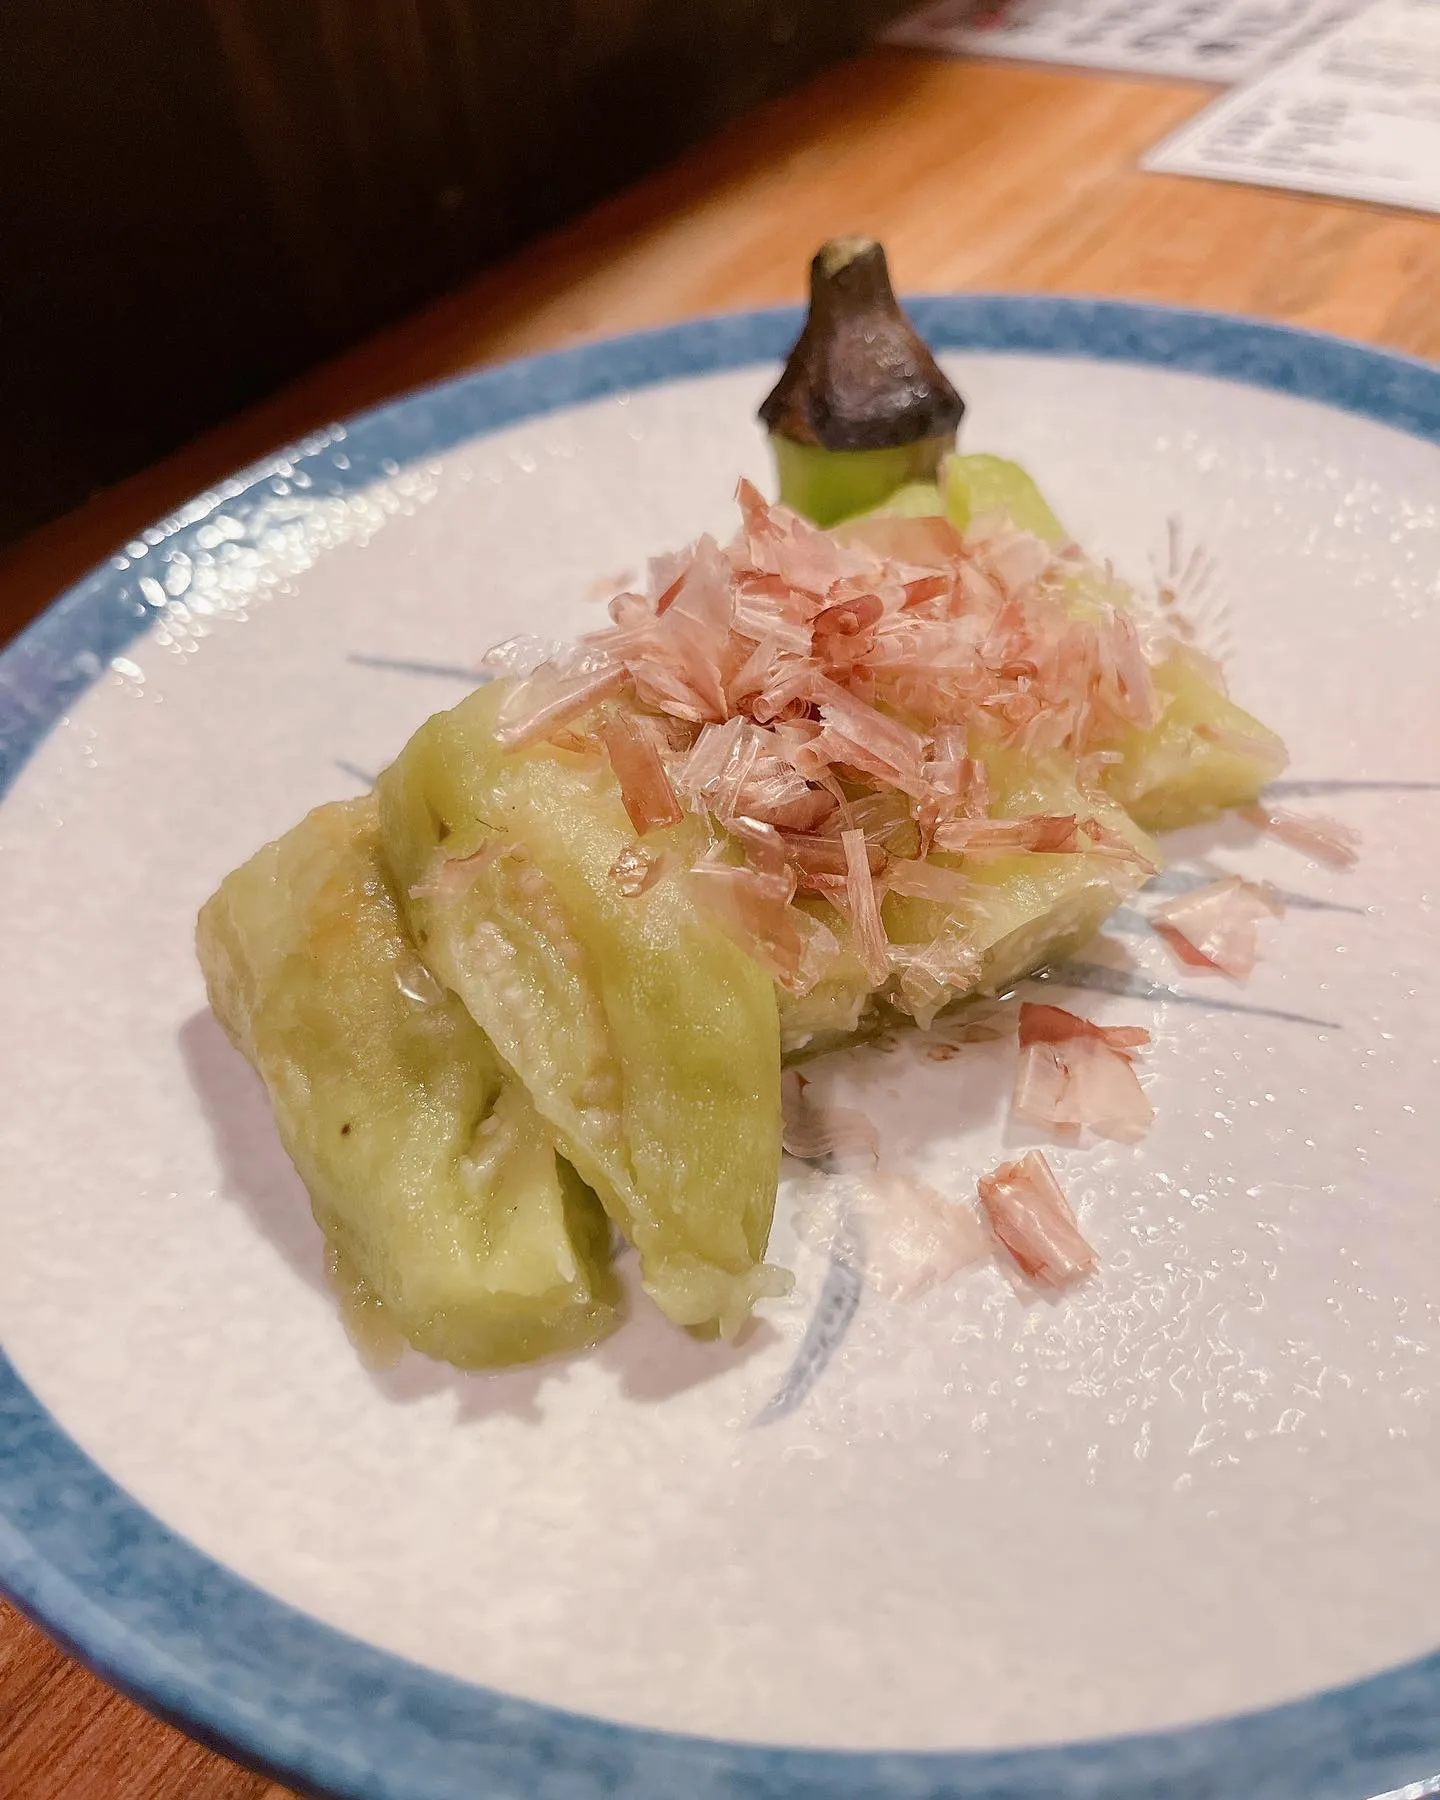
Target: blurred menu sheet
x=1355, y=114
x=1189, y=40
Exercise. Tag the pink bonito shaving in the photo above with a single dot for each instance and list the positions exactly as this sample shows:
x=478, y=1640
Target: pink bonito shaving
x=1030, y=1215
x=1217, y=926
x=845, y=691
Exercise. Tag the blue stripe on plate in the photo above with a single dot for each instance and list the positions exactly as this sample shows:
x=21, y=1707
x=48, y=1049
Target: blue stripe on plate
x=323, y=1711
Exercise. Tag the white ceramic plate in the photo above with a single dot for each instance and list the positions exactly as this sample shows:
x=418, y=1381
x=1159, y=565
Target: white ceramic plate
x=1172, y=1532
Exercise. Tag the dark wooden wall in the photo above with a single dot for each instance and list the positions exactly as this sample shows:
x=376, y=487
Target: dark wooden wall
x=200, y=197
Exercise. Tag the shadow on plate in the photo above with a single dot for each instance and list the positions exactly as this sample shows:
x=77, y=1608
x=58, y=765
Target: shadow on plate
x=649, y=1359
x=255, y=1172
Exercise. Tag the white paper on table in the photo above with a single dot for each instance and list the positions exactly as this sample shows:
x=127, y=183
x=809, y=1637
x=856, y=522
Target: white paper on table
x=1189, y=40
x=1355, y=114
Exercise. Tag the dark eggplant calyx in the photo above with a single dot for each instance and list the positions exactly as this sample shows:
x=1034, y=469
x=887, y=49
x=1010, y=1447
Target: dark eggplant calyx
x=859, y=376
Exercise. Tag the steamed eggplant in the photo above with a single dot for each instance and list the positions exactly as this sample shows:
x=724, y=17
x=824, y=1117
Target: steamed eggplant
x=811, y=784
x=434, y=1180
x=1203, y=754
x=646, y=1039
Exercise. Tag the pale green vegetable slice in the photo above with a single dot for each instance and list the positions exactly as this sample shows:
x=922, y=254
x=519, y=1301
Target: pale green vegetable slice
x=837, y=1011
x=1034, y=907
x=1206, y=754
x=977, y=486
x=916, y=500
x=434, y=1180
x=1041, y=908
x=1025, y=910
x=646, y=1038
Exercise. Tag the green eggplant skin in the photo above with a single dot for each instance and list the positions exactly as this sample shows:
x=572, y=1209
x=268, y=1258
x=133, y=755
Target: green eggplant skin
x=648, y=1041
x=435, y=1182
x=1205, y=755
x=830, y=486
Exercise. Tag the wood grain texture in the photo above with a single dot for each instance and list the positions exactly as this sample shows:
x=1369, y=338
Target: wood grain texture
x=65, y=1736
x=237, y=188
x=404, y=141
x=976, y=176
x=979, y=176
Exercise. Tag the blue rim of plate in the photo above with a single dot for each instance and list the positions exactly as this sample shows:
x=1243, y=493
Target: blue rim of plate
x=320, y=1710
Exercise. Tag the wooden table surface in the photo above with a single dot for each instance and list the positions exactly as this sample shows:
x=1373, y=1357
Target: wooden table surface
x=977, y=176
